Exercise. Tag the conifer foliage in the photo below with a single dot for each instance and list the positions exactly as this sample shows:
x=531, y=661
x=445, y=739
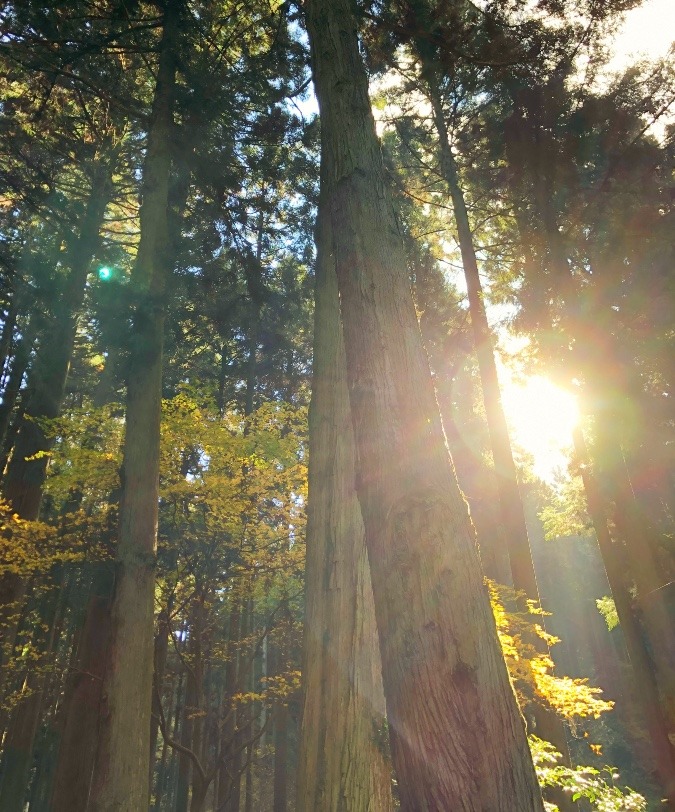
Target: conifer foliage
x=244, y=407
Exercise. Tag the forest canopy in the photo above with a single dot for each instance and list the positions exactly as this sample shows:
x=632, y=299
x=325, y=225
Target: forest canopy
x=336, y=406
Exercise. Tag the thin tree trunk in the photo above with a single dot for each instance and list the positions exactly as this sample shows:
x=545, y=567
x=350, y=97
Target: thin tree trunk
x=458, y=740
x=228, y=735
x=186, y=734
x=7, y=334
x=512, y=511
x=199, y=784
x=248, y=796
x=647, y=692
x=17, y=370
x=161, y=650
x=121, y=782
x=280, y=723
x=165, y=779
x=19, y=743
x=242, y=682
x=343, y=702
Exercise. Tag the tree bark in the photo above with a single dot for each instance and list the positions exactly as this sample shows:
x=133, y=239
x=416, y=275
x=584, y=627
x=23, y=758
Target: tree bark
x=19, y=742
x=48, y=375
x=343, y=702
x=652, y=582
x=458, y=740
x=25, y=474
x=122, y=770
x=161, y=650
x=647, y=691
x=513, y=514
x=79, y=739
x=548, y=726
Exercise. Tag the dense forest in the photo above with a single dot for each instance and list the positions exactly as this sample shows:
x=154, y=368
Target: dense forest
x=268, y=537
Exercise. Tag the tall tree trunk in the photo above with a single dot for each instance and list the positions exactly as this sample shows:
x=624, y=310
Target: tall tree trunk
x=243, y=683
x=19, y=742
x=48, y=375
x=47, y=382
x=652, y=581
x=458, y=740
x=343, y=702
x=511, y=505
x=647, y=692
x=82, y=711
x=199, y=784
x=226, y=779
x=121, y=782
x=548, y=726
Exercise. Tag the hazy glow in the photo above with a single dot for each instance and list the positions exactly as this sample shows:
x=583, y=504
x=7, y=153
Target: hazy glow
x=541, y=417
x=646, y=31
x=104, y=273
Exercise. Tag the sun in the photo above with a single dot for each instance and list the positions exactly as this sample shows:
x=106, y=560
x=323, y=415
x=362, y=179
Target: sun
x=541, y=417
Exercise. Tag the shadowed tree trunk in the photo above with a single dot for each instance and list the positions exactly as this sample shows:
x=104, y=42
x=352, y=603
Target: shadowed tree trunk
x=79, y=739
x=121, y=780
x=458, y=740
x=47, y=383
x=642, y=667
x=343, y=709
x=19, y=742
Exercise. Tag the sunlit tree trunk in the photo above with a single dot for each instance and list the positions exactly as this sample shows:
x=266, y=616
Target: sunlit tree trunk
x=458, y=740
x=121, y=781
x=514, y=527
x=343, y=699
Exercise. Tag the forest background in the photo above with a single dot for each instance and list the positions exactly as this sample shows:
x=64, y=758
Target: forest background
x=158, y=550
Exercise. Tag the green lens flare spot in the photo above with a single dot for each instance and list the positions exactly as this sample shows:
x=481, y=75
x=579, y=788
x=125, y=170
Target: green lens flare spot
x=105, y=273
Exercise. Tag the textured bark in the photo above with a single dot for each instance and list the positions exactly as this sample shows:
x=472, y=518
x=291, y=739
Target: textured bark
x=49, y=372
x=25, y=475
x=642, y=667
x=343, y=759
x=514, y=528
x=641, y=661
x=19, y=742
x=121, y=781
x=458, y=740
x=513, y=531
x=79, y=739
x=652, y=581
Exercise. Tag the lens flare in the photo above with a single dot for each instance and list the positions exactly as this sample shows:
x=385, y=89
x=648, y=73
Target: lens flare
x=541, y=417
